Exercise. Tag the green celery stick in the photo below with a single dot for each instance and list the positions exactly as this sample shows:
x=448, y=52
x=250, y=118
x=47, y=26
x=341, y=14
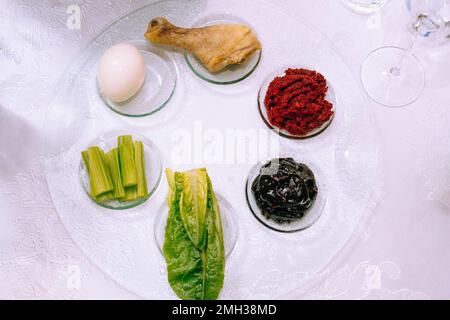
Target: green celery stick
x=105, y=197
x=112, y=157
x=127, y=161
x=100, y=179
x=109, y=195
x=130, y=194
x=85, y=156
x=142, y=190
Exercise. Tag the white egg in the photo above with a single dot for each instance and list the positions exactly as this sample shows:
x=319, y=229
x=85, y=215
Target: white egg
x=121, y=72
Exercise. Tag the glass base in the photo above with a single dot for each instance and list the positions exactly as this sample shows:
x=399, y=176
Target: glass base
x=393, y=77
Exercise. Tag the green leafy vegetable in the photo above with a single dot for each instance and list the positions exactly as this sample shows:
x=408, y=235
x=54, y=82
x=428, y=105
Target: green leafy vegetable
x=215, y=250
x=195, y=272
x=193, y=205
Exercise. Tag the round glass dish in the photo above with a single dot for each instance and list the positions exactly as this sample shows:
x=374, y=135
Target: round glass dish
x=158, y=87
x=331, y=97
x=310, y=217
x=229, y=225
x=231, y=74
x=153, y=169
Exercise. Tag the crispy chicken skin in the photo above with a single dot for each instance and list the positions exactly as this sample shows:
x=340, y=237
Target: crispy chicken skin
x=215, y=46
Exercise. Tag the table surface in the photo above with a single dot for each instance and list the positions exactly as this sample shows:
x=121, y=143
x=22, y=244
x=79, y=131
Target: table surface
x=400, y=252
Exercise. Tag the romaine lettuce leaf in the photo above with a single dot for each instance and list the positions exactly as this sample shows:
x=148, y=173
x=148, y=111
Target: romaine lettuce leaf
x=193, y=205
x=193, y=273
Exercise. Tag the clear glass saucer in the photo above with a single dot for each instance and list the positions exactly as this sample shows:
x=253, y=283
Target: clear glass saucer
x=159, y=84
x=153, y=168
x=233, y=73
x=331, y=97
x=310, y=217
x=229, y=225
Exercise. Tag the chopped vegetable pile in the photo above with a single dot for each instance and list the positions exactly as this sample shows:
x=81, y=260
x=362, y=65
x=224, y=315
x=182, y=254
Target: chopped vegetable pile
x=118, y=174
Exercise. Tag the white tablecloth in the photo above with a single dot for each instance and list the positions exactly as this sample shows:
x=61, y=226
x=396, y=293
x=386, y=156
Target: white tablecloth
x=401, y=252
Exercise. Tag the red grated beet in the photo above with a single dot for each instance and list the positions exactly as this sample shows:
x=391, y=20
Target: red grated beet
x=296, y=101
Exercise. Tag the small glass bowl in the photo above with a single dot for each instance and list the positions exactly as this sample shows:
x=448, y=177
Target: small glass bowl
x=153, y=168
x=229, y=225
x=331, y=97
x=231, y=74
x=310, y=217
x=158, y=87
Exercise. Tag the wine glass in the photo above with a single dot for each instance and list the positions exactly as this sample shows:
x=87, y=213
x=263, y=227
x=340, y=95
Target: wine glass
x=394, y=76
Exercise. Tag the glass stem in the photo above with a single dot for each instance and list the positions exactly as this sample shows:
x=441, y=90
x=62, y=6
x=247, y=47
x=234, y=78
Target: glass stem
x=397, y=69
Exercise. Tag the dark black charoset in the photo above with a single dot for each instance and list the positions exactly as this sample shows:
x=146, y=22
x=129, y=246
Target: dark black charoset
x=285, y=190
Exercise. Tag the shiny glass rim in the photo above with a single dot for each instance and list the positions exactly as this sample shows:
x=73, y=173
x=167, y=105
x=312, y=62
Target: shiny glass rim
x=407, y=53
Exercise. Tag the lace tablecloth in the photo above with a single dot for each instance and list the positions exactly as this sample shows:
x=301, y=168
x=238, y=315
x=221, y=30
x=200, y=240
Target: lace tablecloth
x=401, y=252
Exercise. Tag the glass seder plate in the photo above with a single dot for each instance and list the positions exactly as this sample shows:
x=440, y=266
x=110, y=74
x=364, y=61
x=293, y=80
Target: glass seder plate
x=265, y=264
